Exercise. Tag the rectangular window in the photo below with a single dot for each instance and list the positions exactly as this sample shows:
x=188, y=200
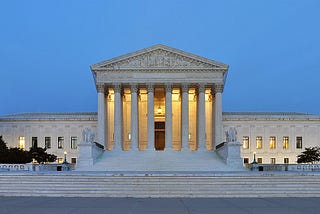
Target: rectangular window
x=60, y=160
x=47, y=142
x=73, y=160
x=285, y=142
x=34, y=141
x=272, y=142
x=60, y=142
x=259, y=142
x=74, y=142
x=259, y=160
x=21, y=142
x=245, y=160
x=286, y=160
x=245, y=142
x=273, y=160
x=299, y=142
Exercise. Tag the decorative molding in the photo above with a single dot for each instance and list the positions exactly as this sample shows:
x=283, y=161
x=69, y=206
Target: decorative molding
x=168, y=87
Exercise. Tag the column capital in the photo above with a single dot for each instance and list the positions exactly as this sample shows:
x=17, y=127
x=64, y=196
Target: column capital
x=117, y=87
x=201, y=87
x=168, y=87
x=100, y=88
x=150, y=87
x=218, y=88
x=134, y=88
x=185, y=87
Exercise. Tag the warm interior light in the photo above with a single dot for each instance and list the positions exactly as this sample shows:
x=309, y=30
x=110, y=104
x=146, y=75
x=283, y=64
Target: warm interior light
x=159, y=111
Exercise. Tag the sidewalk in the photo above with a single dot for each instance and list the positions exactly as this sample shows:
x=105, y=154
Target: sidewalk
x=49, y=205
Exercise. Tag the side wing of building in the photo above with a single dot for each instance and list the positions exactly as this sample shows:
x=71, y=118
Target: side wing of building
x=275, y=138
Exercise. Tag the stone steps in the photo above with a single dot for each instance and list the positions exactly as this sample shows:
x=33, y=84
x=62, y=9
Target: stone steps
x=247, y=184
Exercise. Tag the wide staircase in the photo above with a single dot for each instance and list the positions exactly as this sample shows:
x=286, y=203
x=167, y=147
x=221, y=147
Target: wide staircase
x=174, y=184
x=160, y=161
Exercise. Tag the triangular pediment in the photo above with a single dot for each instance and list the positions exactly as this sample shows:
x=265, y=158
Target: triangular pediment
x=158, y=56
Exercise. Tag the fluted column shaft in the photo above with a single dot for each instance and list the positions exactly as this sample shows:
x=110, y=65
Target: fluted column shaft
x=218, y=113
x=117, y=117
x=201, y=119
x=168, y=124
x=150, y=145
x=101, y=115
x=185, y=117
x=134, y=118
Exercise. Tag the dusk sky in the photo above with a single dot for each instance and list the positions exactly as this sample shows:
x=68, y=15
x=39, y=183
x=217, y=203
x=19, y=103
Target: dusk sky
x=272, y=47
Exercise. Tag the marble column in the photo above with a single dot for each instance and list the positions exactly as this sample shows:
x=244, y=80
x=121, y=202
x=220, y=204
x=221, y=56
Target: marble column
x=150, y=89
x=134, y=118
x=201, y=118
x=168, y=123
x=185, y=117
x=117, y=117
x=101, y=115
x=218, y=88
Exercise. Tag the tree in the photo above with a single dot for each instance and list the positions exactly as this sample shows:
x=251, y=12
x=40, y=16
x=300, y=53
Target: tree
x=16, y=155
x=310, y=155
x=41, y=156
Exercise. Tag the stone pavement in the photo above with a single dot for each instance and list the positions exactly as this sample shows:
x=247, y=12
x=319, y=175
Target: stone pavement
x=52, y=205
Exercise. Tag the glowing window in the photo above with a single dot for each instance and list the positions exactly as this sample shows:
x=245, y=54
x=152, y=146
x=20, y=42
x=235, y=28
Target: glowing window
x=259, y=142
x=285, y=142
x=272, y=142
x=60, y=160
x=245, y=142
x=21, y=142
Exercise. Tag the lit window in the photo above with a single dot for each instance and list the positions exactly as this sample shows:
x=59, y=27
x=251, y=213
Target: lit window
x=285, y=142
x=34, y=141
x=259, y=142
x=286, y=160
x=47, y=142
x=259, y=160
x=299, y=142
x=245, y=160
x=60, y=142
x=272, y=142
x=273, y=160
x=21, y=142
x=74, y=142
x=60, y=160
x=245, y=142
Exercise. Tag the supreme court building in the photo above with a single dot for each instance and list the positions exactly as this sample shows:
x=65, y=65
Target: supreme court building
x=160, y=108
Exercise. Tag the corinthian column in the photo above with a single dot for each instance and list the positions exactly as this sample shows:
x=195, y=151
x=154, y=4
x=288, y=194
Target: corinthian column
x=134, y=118
x=185, y=117
x=218, y=88
x=168, y=128
x=201, y=119
x=117, y=117
x=150, y=145
x=101, y=115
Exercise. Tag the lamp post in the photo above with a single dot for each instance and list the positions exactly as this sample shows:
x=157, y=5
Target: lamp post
x=254, y=164
x=65, y=164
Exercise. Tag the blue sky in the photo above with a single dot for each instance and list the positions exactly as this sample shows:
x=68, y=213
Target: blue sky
x=272, y=47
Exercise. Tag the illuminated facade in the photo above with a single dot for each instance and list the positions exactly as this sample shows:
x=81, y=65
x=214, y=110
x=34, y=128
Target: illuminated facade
x=163, y=99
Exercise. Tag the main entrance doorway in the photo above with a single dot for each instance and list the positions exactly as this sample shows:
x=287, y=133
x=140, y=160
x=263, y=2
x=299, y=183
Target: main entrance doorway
x=159, y=135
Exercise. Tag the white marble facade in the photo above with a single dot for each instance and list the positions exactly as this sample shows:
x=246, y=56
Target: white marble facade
x=161, y=98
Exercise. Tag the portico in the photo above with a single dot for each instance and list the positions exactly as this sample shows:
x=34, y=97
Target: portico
x=159, y=98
